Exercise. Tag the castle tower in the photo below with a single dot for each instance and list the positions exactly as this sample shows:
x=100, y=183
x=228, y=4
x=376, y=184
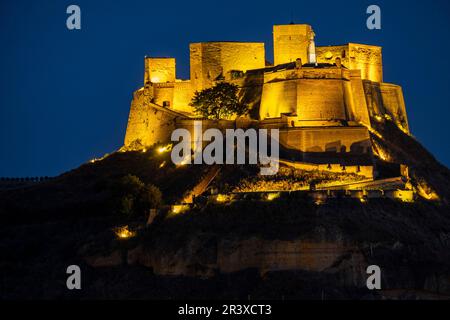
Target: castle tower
x=293, y=41
x=158, y=70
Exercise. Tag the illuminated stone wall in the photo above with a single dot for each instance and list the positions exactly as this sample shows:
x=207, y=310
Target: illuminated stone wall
x=159, y=70
x=361, y=170
x=316, y=103
x=328, y=54
x=315, y=94
x=355, y=98
x=309, y=99
x=385, y=99
x=163, y=94
x=210, y=60
x=320, y=99
x=368, y=59
x=148, y=123
x=182, y=95
x=327, y=139
x=277, y=98
x=291, y=42
x=394, y=104
x=354, y=56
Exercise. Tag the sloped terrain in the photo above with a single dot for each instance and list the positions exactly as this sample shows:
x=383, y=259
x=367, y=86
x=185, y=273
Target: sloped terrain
x=229, y=250
x=430, y=177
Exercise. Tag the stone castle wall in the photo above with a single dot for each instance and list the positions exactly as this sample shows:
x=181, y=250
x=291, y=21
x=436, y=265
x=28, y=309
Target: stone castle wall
x=291, y=42
x=148, y=123
x=318, y=108
x=211, y=60
x=277, y=98
x=385, y=99
x=163, y=93
x=355, y=140
x=159, y=70
x=355, y=99
x=320, y=99
x=315, y=94
x=366, y=58
x=394, y=104
x=182, y=95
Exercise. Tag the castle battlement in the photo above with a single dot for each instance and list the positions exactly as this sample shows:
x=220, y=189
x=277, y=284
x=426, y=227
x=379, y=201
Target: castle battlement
x=324, y=98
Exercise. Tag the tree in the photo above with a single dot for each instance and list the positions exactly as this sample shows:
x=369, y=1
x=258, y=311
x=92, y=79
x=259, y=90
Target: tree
x=126, y=205
x=135, y=197
x=218, y=102
x=151, y=197
x=131, y=184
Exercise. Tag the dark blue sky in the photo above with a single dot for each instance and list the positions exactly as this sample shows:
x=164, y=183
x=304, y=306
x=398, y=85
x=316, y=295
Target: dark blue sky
x=65, y=95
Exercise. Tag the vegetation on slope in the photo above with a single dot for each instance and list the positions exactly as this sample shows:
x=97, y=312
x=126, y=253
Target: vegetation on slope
x=430, y=178
x=50, y=225
x=91, y=189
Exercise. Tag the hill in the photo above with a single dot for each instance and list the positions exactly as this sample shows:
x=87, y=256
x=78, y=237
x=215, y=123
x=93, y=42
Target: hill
x=290, y=247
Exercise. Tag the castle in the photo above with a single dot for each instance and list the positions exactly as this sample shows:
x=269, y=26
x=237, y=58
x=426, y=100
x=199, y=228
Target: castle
x=323, y=99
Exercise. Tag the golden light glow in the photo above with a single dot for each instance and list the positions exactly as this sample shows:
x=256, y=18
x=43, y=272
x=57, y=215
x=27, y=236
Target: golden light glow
x=154, y=79
x=375, y=132
x=98, y=159
x=272, y=196
x=185, y=161
x=124, y=233
x=162, y=164
x=362, y=200
x=428, y=195
x=222, y=198
x=165, y=148
x=379, y=118
x=406, y=196
x=401, y=127
x=144, y=150
x=179, y=208
x=319, y=201
x=382, y=156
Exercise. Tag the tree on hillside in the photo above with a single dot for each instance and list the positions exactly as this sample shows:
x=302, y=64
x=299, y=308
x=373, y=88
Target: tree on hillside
x=218, y=102
x=136, y=198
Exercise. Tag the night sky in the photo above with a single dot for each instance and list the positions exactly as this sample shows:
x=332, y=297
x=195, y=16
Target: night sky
x=65, y=95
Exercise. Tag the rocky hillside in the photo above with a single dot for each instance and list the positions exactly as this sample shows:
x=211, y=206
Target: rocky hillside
x=428, y=176
x=287, y=248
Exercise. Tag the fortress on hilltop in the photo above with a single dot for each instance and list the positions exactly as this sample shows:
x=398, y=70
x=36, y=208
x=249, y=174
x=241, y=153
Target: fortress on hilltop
x=324, y=100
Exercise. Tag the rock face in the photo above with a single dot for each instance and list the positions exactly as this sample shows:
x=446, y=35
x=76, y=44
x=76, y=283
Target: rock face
x=111, y=260
x=331, y=244
x=279, y=255
x=227, y=256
